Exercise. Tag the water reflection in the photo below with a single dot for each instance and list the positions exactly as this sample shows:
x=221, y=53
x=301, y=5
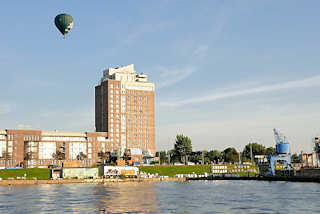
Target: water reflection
x=163, y=197
x=126, y=198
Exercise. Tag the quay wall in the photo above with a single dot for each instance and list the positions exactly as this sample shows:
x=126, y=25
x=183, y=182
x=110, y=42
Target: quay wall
x=308, y=173
x=86, y=181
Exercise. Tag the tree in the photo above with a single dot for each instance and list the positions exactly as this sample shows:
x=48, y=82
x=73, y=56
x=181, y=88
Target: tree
x=257, y=149
x=230, y=155
x=214, y=156
x=163, y=157
x=182, y=147
x=270, y=151
x=200, y=157
x=295, y=158
x=104, y=156
x=59, y=155
x=127, y=155
x=81, y=156
x=195, y=157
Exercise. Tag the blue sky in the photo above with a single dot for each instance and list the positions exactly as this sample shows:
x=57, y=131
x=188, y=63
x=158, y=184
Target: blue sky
x=226, y=72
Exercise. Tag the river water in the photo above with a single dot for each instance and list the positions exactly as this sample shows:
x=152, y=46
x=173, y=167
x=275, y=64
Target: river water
x=163, y=197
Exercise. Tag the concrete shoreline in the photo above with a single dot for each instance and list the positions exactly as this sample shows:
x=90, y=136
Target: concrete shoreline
x=86, y=181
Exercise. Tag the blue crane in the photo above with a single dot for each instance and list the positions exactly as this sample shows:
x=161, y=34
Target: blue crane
x=282, y=153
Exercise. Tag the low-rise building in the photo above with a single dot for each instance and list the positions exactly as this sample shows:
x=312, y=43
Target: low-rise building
x=39, y=149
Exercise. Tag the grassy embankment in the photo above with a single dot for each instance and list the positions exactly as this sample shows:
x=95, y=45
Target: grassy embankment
x=41, y=174
x=171, y=171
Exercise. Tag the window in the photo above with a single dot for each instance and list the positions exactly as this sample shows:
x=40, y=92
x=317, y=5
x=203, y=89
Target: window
x=103, y=147
x=46, y=149
x=111, y=85
x=76, y=148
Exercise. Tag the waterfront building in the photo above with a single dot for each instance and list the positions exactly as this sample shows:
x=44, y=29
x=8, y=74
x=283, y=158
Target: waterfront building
x=39, y=149
x=124, y=107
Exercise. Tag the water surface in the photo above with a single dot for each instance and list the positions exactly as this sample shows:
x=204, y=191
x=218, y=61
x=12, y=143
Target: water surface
x=163, y=197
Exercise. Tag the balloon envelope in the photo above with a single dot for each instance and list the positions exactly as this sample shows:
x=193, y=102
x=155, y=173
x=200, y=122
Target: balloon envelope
x=64, y=23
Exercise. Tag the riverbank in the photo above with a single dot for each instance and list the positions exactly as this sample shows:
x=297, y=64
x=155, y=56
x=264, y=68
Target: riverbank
x=86, y=181
x=267, y=178
x=171, y=170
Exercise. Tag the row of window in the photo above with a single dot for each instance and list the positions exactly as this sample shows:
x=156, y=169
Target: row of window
x=117, y=101
x=9, y=162
x=59, y=162
x=137, y=97
x=116, y=92
x=114, y=115
x=116, y=85
x=31, y=138
x=116, y=96
x=136, y=116
x=137, y=92
x=63, y=138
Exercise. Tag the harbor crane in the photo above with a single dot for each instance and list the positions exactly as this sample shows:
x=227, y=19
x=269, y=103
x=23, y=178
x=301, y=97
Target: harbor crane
x=282, y=153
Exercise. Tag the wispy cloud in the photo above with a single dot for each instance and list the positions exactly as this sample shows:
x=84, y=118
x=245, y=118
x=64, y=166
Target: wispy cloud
x=145, y=29
x=6, y=108
x=201, y=51
x=171, y=76
x=309, y=82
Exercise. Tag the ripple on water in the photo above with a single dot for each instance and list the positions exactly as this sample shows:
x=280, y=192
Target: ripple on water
x=163, y=197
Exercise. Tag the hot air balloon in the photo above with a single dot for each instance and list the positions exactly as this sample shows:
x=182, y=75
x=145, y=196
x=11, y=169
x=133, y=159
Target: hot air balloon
x=64, y=23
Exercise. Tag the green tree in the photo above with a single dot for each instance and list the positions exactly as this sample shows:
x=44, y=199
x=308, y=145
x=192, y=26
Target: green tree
x=195, y=157
x=230, y=155
x=182, y=147
x=59, y=155
x=270, y=151
x=295, y=158
x=81, y=156
x=163, y=157
x=214, y=156
x=127, y=155
x=257, y=149
x=104, y=157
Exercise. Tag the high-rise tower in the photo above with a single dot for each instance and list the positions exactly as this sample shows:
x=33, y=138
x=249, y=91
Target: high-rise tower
x=124, y=107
